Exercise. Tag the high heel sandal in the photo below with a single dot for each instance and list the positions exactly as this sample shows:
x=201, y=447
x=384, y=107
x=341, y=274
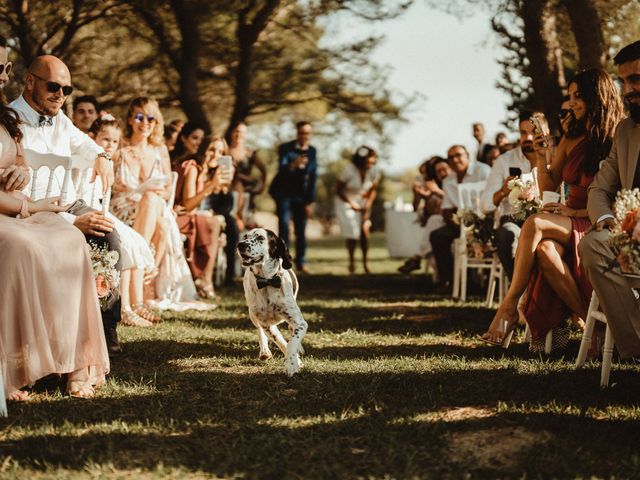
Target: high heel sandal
x=204, y=290
x=145, y=312
x=132, y=319
x=506, y=330
x=80, y=389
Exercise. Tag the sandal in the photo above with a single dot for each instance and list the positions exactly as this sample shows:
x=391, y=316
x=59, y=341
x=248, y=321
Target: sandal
x=18, y=396
x=132, y=319
x=205, y=290
x=507, y=327
x=145, y=312
x=80, y=389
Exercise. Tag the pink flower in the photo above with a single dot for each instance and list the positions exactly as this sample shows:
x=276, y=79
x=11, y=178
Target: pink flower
x=102, y=286
x=636, y=232
x=623, y=261
x=630, y=221
x=529, y=193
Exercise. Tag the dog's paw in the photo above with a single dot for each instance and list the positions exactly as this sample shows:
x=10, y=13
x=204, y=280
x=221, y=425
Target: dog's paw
x=265, y=356
x=292, y=365
x=301, y=350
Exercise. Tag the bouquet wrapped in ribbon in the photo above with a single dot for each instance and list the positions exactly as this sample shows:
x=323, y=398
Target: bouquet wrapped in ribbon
x=524, y=198
x=625, y=237
x=480, y=232
x=103, y=263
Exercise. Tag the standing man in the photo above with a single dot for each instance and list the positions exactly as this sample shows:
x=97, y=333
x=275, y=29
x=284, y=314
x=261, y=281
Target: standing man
x=443, y=237
x=507, y=166
x=621, y=169
x=478, y=134
x=294, y=189
x=85, y=112
x=48, y=130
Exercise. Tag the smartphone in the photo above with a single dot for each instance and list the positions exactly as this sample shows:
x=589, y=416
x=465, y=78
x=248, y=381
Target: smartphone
x=225, y=164
x=515, y=171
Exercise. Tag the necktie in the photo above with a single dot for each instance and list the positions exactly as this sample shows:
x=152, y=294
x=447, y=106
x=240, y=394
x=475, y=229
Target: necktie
x=45, y=120
x=274, y=281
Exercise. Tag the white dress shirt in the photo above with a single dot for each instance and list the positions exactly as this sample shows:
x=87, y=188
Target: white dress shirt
x=476, y=172
x=499, y=172
x=62, y=138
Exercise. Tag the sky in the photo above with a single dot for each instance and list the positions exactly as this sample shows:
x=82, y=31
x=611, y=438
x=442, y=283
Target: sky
x=451, y=62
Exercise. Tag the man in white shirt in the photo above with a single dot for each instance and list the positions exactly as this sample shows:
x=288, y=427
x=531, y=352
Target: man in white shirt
x=442, y=238
x=46, y=130
x=495, y=197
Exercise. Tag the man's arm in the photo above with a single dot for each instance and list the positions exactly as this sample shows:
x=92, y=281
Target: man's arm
x=605, y=185
x=495, y=183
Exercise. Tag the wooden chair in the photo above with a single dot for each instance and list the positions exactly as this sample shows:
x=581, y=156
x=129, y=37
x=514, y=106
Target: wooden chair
x=607, y=351
x=468, y=198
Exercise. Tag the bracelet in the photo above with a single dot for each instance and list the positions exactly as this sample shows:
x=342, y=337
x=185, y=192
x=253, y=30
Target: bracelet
x=24, y=209
x=105, y=155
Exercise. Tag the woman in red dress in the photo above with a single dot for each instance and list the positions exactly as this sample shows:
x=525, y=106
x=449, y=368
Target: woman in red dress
x=547, y=260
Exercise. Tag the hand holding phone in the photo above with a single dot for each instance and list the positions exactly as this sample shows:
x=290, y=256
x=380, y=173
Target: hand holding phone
x=225, y=164
x=538, y=121
x=515, y=171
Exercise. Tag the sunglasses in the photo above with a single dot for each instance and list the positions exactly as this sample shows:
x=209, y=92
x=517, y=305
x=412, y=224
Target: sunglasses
x=140, y=117
x=54, y=87
x=6, y=67
x=564, y=112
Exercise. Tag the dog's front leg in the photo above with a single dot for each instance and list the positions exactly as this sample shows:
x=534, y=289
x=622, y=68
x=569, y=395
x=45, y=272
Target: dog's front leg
x=278, y=339
x=293, y=364
x=263, y=341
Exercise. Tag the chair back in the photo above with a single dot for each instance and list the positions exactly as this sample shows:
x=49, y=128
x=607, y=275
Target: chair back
x=174, y=183
x=93, y=194
x=469, y=195
x=36, y=162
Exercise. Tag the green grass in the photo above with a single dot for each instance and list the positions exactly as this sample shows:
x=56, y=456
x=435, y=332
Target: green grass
x=394, y=386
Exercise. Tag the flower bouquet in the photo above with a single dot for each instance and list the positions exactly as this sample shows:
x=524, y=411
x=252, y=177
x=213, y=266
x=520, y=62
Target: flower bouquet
x=524, y=198
x=103, y=263
x=625, y=237
x=480, y=232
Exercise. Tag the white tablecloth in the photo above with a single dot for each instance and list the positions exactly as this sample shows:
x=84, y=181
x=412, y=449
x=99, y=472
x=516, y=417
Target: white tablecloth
x=403, y=233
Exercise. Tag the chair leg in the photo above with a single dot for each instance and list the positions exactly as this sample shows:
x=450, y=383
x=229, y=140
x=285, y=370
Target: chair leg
x=548, y=342
x=491, y=291
x=607, y=355
x=527, y=333
x=590, y=323
x=456, y=276
x=464, y=271
x=3, y=402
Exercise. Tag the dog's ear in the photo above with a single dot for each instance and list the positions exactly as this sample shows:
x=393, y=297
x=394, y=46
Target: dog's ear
x=278, y=249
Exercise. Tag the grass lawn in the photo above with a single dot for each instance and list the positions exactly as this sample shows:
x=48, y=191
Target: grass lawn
x=394, y=386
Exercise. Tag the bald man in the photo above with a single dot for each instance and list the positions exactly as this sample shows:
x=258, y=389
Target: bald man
x=47, y=130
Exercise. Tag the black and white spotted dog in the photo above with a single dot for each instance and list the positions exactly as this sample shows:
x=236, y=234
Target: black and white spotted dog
x=271, y=288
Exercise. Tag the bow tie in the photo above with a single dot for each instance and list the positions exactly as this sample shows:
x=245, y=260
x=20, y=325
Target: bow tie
x=274, y=281
x=44, y=120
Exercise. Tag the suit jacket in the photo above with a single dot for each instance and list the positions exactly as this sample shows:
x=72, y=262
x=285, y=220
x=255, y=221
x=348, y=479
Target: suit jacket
x=617, y=172
x=297, y=183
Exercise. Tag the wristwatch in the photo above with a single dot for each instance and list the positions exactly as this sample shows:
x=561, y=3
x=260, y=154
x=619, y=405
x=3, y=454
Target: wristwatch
x=105, y=155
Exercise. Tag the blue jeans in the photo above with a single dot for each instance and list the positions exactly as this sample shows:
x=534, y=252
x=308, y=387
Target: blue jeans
x=288, y=208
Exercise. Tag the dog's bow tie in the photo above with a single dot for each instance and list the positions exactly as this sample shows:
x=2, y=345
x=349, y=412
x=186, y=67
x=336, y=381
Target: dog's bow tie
x=274, y=281
x=45, y=121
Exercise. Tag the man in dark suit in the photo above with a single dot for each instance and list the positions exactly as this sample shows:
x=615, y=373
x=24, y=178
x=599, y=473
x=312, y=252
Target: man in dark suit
x=294, y=189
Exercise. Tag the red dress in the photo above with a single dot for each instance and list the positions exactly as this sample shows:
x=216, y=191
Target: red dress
x=544, y=309
x=195, y=227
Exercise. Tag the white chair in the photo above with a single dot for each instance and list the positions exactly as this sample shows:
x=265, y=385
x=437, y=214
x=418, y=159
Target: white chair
x=93, y=197
x=497, y=276
x=51, y=162
x=590, y=322
x=174, y=183
x=468, y=198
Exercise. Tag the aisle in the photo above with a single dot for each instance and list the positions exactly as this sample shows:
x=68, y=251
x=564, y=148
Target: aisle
x=394, y=385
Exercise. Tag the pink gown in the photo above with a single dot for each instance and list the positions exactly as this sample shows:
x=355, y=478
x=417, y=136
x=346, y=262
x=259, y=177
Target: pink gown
x=49, y=314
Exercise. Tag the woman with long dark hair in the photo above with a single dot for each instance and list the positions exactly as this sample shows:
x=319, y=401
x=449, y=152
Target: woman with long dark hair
x=50, y=319
x=547, y=261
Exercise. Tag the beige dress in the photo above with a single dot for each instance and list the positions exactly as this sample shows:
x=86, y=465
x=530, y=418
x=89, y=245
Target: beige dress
x=49, y=314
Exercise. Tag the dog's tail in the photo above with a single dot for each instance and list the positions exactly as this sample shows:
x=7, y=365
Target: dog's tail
x=296, y=284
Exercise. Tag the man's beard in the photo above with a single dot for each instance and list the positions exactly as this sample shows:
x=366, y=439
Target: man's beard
x=634, y=108
x=527, y=147
x=44, y=110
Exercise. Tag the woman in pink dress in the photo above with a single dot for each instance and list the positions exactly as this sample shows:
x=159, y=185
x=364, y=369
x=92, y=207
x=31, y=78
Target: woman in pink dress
x=49, y=314
x=547, y=259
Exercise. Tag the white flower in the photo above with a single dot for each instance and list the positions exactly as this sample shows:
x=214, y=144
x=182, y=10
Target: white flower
x=362, y=152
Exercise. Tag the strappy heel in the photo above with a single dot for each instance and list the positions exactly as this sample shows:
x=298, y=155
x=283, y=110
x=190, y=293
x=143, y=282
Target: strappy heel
x=145, y=312
x=132, y=319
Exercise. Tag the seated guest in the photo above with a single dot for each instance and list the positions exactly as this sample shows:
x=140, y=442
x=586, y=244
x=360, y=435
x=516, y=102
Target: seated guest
x=85, y=112
x=220, y=200
x=170, y=137
x=47, y=130
x=496, y=194
x=565, y=114
x=137, y=258
x=140, y=194
x=356, y=191
x=501, y=139
x=547, y=261
x=428, y=189
x=491, y=152
x=39, y=334
x=200, y=227
x=621, y=169
x=442, y=238
x=187, y=143
x=245, y=160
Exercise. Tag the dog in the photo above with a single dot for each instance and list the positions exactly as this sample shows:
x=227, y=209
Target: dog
x=271, y=288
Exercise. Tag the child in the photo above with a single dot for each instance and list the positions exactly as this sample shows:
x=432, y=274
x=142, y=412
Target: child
x=137, y=257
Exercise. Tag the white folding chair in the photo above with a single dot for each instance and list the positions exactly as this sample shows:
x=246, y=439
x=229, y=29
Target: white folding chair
x=590, y=322
x=174, y=183
x=36, y=162
x=468, y=198
x=93, y=197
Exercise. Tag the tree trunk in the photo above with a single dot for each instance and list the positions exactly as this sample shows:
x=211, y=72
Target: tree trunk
x=242, y=88
x=587, y=30
x=187, y=67
x=545, y=56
